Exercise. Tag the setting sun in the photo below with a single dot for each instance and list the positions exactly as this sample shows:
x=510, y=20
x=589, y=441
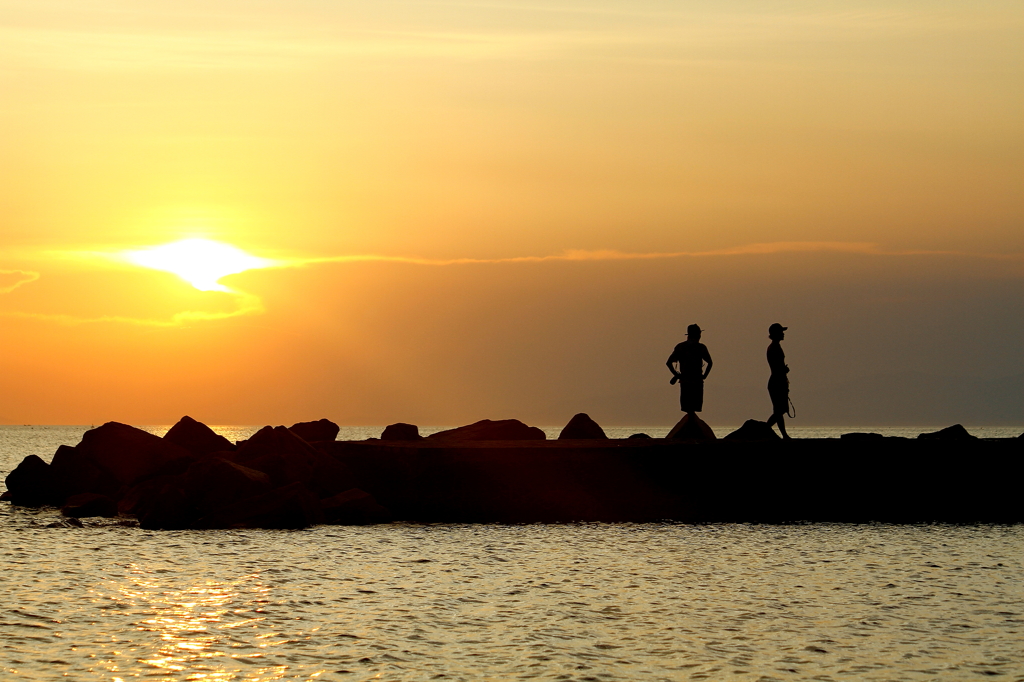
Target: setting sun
x=200, y=262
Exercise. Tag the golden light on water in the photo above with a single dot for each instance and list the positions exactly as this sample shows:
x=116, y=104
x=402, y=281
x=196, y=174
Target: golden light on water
x=194, y=628
x=200, y=262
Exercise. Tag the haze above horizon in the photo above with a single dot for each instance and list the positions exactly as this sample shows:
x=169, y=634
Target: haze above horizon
x=443, y=212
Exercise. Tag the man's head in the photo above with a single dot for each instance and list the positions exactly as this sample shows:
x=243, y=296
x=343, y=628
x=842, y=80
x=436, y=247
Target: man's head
x=693, y=332
x=777, y=332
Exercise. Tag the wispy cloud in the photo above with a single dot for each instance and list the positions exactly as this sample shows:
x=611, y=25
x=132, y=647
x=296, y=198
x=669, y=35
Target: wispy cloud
x=249, y=304
x=12, y=279
x=766, y=248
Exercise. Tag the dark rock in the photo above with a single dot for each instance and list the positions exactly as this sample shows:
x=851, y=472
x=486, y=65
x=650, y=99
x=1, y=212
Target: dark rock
x=138, y=500
x=89, y=504
x=502, y=429
x=311, y=432
x=354, y=507
x=75, y=472
x=215, y=482
x=753, y=430
x=639, y=436
x=287, y=458
x=292, y=506
x=6, y=496
x=862, y=437
x=69, y=522
x=686, y=429
x=955, y=432
x=129, y=454
x=32, y=483
x=401, y=431
x=197, y=438
x=169, y=509
x=582, y=427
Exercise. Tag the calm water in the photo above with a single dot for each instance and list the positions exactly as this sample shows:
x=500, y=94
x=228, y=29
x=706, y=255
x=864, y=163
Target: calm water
x=570, y=602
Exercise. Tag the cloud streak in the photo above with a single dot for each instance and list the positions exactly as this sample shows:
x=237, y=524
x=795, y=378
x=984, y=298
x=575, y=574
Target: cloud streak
x=760, y=249
x=12, y=279
x=249, y=304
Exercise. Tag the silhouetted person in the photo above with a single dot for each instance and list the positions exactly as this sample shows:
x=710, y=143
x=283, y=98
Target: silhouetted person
x=690, y=371
x=778, y=382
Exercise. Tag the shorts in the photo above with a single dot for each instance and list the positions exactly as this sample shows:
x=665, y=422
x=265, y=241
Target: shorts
x=778, y=391
x=691, y=394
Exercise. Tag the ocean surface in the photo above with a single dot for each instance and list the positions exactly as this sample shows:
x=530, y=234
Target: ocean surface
x=490, y=602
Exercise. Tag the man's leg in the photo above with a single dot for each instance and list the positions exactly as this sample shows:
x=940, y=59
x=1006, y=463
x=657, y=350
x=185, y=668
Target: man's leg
x=780, y=419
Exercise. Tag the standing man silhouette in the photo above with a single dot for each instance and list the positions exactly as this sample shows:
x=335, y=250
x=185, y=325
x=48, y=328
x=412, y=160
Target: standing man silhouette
x=778, y=382
x=689, y=357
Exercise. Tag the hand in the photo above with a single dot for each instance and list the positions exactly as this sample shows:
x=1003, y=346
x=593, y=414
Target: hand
x=673, y=380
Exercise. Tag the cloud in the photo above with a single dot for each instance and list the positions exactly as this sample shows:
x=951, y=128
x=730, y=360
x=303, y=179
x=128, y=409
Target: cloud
x=12, y=279
x=767, y=248
x=249, y=304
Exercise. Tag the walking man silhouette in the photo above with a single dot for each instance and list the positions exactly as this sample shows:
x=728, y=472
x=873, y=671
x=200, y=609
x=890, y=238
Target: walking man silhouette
x=690, y=371
x=778, y=382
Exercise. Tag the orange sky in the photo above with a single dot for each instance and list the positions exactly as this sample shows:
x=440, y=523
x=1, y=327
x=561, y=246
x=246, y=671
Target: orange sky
x=491, y=210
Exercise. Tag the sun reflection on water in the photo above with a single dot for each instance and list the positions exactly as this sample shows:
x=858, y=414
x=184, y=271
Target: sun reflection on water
x=195, y=628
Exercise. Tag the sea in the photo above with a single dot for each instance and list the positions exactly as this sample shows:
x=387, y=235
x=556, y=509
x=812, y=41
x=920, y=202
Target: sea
x=589, y=601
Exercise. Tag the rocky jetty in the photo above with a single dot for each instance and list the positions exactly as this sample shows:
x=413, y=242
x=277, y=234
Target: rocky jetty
x=506, y=471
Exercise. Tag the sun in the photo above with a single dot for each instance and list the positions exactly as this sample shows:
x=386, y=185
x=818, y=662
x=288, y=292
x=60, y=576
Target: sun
x=200, y=262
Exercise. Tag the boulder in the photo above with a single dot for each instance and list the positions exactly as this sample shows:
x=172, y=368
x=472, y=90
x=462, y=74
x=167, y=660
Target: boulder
x=32, y=483
x=582, y=427
x=138, y=500
x=502, y=429
x=955, y=432
x=754, y=431
x=89, y=504
x=131, y=455
x=866, y=438
x=401, y=431
x=196, y=437
x=169, y=509
x=215, y=482
x=312, y=432
x=696, y=429
x=639, y=436
x=75, y=472
x=354, y=507
x=292, y=506
x=287, y=458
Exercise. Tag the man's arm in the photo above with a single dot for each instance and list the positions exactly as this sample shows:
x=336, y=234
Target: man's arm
x=707, y=359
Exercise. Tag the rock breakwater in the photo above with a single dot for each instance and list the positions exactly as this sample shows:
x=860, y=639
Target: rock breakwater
x=507, y=472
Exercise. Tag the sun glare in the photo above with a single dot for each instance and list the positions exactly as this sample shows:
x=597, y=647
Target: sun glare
x=200, y=262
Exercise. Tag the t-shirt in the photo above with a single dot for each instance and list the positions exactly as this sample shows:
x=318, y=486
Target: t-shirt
x=777, y=359
x=691, y=358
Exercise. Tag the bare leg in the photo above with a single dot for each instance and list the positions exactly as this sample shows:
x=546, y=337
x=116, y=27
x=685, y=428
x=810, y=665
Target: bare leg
x=779, y=419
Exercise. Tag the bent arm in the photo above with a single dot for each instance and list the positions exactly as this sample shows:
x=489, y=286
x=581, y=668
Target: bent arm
x=707, y=368
x=668, y=363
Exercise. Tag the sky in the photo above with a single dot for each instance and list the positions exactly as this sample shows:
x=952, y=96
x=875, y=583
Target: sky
x=464, y=210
